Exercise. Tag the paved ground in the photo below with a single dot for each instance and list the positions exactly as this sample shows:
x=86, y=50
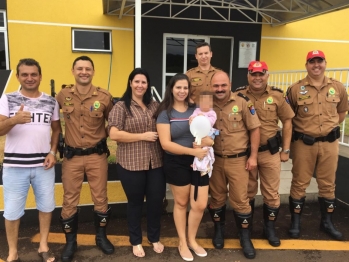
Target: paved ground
x=313, y=245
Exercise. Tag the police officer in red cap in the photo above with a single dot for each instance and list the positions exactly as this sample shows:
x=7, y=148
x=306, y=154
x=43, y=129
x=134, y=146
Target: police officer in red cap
x=320, y=105
x=271, y=106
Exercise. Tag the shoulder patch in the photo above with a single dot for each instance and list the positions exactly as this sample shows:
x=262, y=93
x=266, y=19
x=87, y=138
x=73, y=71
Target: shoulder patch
x=277, y=89
x=243, y=96
x=240, y=88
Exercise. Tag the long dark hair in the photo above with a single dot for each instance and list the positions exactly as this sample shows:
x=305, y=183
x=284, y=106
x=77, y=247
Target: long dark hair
x=168, y=100
x=127, y=96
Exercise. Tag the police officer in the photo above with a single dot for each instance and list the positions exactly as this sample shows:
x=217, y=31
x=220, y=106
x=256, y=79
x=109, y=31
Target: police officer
x=271, y=105
x=201, y=75
x=85, y=108
x=320, y=104
x=238, y=125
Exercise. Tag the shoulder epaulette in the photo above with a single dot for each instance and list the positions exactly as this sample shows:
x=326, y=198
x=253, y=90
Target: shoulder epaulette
x=67, y=86
x=240, y=88
x=334, y=80
x=277, y=89
x=191, y=69
x=103, y=91
x=243, y=96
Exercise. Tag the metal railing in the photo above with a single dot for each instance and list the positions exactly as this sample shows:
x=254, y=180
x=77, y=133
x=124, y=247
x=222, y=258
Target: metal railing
x=283, y=79
x=155, y=94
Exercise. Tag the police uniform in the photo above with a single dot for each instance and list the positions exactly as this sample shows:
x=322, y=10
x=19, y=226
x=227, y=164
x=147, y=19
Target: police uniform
x=200, y=81
x=270, y=107
x=85, y=152
x=234, y=120
x=315, y=146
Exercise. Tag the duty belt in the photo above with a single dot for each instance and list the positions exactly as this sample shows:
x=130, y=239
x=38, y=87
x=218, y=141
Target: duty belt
x=232, y=156
x=329, y=137
x=83, y=151
x=99, y=149
x=263, y=148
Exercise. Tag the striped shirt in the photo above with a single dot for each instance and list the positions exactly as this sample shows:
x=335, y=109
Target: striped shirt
x=179, y=126
x=139, y=155
x=28, y=144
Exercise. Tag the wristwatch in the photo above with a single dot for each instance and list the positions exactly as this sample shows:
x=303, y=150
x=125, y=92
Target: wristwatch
x=287, y=151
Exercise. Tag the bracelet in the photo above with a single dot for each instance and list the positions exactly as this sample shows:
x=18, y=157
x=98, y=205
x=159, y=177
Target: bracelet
x=52, y=153
x=212, y=143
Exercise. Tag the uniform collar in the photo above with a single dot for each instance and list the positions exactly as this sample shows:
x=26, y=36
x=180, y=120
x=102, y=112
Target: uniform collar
x=198, y=69
x=307, y=81
x=267, y=89
x=220, y=103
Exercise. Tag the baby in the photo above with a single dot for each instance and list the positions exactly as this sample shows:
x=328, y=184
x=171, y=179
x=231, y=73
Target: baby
x=206, y=103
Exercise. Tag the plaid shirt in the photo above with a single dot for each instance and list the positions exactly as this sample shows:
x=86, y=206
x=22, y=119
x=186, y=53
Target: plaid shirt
x=140, y=155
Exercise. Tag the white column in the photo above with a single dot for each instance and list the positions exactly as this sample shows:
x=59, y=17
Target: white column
x=138, y=32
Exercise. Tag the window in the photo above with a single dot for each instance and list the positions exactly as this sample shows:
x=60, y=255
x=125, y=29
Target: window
x=91, y=40
x=4, y=60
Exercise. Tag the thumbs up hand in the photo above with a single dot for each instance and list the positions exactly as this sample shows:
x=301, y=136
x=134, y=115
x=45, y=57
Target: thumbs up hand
x=22, y=116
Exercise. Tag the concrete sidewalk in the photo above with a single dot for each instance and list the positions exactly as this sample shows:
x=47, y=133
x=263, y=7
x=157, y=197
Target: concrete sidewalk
x=284, y=191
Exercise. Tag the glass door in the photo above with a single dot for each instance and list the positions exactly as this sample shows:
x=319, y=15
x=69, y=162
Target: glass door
x=179, y=55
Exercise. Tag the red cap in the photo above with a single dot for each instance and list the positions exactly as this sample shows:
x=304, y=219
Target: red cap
x=257, y=66
x=315, y=53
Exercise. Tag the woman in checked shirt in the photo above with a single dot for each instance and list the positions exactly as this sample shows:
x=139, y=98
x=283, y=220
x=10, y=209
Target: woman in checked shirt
x=131, y=124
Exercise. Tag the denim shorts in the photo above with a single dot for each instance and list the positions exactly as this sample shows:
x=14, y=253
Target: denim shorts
x=16, y=183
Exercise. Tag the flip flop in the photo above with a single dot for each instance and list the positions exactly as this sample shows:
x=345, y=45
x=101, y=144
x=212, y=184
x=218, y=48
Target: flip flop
x=46, y=255
x=140, y=249
x=158, y=247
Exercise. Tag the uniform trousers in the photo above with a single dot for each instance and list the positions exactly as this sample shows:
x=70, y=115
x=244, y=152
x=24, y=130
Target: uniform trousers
x=73, y=170
x=137, y=185
x=268, y=170
x=321, y=157
x=232, y=172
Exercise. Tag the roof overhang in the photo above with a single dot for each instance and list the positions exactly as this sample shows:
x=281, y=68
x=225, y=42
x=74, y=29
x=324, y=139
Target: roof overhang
x=273, y=12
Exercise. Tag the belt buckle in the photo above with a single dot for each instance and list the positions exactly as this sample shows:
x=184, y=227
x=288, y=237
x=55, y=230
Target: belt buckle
x=224, y=156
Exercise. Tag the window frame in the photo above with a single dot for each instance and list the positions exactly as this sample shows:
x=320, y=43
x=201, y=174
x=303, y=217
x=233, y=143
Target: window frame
x=3, y=29
x=91, y=50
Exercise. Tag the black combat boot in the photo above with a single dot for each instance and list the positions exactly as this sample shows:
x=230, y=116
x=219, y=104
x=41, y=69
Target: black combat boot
x=327, y=207
x=70, y=228
x=101, y=222
x=296, y=208
x=218, y=218
x=243, y=223
x=270, y=215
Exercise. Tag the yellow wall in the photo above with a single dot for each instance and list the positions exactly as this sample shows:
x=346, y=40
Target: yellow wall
x=322, y=32
x=51, y=44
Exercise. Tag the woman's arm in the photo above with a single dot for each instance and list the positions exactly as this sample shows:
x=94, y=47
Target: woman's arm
x=126, y=137
x=174, y=148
